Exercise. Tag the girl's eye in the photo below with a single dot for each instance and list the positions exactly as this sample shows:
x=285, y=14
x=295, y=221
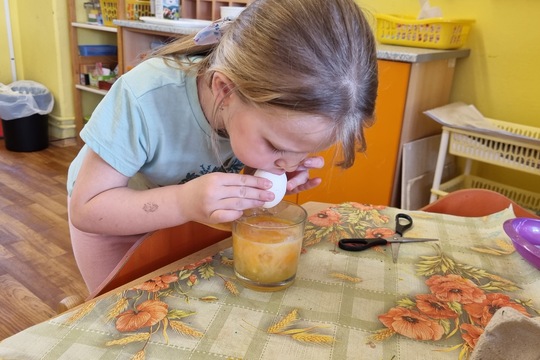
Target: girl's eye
x=274, y=149
x=277, y=151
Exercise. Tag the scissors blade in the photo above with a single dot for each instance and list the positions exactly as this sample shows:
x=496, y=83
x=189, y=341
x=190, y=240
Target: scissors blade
x=395, y=250
x=396, y=241
x=400, y=240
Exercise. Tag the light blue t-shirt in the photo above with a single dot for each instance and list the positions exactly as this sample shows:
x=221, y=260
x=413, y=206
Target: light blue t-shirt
x=151, y=124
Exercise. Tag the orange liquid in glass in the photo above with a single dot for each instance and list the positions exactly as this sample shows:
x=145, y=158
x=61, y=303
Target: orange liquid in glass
x=267, y=255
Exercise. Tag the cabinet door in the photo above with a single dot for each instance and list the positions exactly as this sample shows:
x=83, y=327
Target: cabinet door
x=370, y=179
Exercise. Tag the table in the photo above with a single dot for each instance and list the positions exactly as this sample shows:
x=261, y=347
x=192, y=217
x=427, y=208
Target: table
x=432, y=304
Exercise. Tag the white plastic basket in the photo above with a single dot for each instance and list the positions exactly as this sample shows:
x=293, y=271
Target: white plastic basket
x=501, y=150
x=514, y=147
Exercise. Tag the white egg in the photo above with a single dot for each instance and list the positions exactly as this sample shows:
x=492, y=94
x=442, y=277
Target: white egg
x=279, y=186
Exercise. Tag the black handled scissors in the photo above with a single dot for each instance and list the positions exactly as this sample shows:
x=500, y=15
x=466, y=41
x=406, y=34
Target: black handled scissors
x=403, y=223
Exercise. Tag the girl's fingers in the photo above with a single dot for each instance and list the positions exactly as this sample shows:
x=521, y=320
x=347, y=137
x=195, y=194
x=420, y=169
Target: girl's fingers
x=293, y=188
x=246, y=192
x=298, y=179
x=238, y=187
x=234, y=205
x=313, y=162
x=245, y=180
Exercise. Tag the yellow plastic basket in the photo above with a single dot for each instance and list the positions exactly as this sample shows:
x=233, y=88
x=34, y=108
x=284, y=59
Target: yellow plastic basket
x=134, y=10
x=435, y=33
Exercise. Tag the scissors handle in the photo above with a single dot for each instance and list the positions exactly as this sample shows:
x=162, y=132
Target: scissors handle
x=403, y=223
x=360, y=244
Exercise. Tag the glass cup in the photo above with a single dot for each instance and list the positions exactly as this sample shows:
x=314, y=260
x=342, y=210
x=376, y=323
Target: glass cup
x=267, y=245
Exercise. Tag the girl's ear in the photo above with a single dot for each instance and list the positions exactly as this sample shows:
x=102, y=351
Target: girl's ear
x=221, y=88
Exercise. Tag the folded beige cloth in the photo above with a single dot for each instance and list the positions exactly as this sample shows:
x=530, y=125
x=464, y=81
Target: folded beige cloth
x=509, y=335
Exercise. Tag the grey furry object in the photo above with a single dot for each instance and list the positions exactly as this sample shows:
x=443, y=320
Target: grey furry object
x=509, y=335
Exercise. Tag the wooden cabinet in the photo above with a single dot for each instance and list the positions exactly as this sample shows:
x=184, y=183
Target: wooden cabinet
x=207, y=9
x=85, y=98
x=136, y=39
x=133, y=42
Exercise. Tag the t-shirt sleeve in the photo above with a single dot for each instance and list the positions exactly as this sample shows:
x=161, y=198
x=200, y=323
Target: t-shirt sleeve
x=117, y=130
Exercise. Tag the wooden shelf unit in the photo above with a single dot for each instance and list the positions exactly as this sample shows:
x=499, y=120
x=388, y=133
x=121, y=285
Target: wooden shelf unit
x=131, y=42
x=207, y=9
x=96, y=34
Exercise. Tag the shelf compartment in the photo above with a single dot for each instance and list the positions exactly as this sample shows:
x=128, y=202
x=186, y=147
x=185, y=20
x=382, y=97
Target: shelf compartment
x=527, y=199
x=85, y=61
x=94, y=27
x=503, y=150
x=207, y=9
x=91, y=89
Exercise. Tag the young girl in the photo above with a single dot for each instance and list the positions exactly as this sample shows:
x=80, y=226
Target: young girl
x=287, y=78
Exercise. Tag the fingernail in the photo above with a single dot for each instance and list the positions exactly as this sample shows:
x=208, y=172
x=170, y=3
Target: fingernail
x=269, y=196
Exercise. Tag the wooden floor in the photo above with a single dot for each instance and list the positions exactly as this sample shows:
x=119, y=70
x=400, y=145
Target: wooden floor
x=37, y=267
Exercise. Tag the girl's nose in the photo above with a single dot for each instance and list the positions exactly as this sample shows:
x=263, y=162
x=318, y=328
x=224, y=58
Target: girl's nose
x=287, y=166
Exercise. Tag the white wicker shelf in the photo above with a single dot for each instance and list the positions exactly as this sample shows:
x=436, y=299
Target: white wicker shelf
x=498, y=149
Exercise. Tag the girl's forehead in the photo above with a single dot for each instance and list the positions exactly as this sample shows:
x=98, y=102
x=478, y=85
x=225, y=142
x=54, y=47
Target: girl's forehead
x=301, y=122
x=306, y=132
x=290, y=116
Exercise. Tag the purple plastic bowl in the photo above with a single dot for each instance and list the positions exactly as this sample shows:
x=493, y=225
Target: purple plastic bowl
x=525, y=235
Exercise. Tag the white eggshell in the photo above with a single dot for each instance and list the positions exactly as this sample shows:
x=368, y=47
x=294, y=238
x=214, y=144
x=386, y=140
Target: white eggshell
x=279, y=186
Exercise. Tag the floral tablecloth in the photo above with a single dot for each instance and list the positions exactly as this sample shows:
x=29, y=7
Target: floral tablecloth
x=433, y=304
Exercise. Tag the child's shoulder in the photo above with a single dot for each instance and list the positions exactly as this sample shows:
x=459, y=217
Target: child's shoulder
x=153, y=73
x=155, y=67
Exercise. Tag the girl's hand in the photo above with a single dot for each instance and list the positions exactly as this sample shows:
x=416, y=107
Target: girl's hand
x=220, y=197
x=299, y=180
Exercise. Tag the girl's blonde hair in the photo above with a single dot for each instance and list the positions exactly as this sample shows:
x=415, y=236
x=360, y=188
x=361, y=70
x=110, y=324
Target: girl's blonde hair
x=311, y=56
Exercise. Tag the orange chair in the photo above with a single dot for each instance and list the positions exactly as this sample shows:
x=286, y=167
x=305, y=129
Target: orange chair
x=158, y=249
x=476, y=203
x=152, y=252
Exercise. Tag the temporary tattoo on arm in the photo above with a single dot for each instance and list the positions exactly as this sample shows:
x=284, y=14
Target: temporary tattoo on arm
x=150, y=207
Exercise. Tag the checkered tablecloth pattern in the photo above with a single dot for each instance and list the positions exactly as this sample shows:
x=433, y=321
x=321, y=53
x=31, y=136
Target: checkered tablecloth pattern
x=432, y=304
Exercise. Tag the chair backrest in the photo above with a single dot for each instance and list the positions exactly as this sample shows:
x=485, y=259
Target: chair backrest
x=158, y=249
x=475, y=203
